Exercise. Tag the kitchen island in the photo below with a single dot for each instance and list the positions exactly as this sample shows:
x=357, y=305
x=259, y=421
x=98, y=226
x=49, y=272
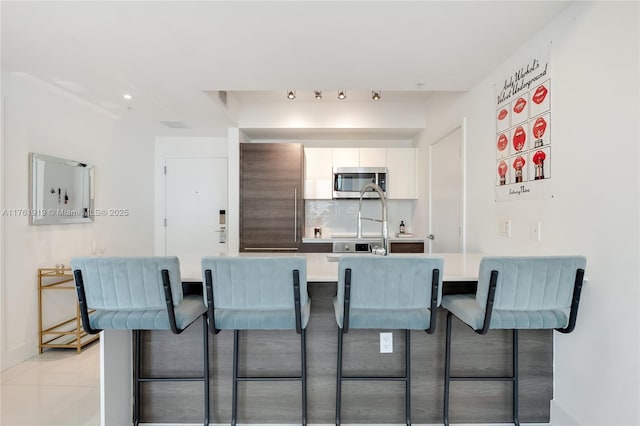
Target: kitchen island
x=269, y=352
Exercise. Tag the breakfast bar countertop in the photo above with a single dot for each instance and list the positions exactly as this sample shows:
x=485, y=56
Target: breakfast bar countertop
x=323, y=267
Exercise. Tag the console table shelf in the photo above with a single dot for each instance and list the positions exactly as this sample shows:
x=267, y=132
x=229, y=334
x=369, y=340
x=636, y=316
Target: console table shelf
x=68, y=333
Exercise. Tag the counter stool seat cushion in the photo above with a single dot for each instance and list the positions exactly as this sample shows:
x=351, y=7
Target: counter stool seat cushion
x=260, y=318
x=191, y=308
x=392, y=319
x=466, y=308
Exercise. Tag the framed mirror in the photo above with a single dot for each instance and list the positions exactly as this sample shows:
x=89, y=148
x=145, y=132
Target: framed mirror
x=62, y=191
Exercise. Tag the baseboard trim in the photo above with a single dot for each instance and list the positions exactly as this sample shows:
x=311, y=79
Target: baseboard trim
x=560, y=416
x=15, y=356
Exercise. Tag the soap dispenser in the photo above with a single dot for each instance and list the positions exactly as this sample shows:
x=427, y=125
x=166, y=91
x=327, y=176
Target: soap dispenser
x=402, y=226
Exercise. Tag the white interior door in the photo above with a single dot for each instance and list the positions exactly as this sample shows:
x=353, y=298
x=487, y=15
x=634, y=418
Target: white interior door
x=195, y=195
x=446, y=193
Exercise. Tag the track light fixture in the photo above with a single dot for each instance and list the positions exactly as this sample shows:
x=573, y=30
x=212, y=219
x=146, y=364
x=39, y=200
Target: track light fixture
x=318, y=94
x=375, y=95
x=342, y=95
x=291, y=94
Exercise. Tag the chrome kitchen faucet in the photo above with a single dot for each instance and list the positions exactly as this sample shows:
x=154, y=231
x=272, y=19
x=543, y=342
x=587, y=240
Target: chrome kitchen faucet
x=385, y=229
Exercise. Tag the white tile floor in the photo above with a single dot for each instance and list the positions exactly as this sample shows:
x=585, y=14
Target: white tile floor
x=57, y=388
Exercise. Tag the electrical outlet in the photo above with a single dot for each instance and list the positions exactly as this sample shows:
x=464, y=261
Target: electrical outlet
x=536, y=231
x=386, y=343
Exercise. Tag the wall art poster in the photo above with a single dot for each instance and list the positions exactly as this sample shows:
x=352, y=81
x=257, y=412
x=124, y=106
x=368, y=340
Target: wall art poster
x=523, y=131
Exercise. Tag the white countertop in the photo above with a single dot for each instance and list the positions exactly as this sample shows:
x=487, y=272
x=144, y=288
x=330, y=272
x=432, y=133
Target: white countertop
x=392, y=239
x=323, y=267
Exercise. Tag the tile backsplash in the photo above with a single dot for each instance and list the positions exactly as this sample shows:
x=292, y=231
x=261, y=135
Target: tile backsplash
x=341, y=216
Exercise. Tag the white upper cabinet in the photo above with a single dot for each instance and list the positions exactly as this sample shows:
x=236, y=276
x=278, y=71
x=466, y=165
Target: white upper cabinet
x=318, y=163
x=373, y=157
x=401, y=173
x=345, y=157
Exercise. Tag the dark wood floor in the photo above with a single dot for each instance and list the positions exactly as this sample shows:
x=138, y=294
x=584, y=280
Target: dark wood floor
x=269, y=352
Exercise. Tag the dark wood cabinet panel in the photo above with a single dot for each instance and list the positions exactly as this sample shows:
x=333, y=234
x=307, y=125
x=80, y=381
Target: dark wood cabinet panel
x=317, y=248
x=408, y=247
x=271, y=197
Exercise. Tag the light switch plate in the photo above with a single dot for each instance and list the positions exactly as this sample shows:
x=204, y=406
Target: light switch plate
x=505, y=228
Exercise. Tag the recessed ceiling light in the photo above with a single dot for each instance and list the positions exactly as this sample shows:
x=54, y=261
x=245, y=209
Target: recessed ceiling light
x=318, y=94
x=127, y=96
x=342, y=95
x=375, y=95
x=291, y=94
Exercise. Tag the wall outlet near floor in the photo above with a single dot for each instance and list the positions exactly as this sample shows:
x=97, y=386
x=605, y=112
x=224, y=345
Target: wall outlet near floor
x=386, y=343
x=536, y=231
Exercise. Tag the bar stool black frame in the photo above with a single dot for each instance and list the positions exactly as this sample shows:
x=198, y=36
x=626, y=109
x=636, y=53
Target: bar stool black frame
x=448, y=378
x=406, y=378
x=236, y=350
x=137, y=346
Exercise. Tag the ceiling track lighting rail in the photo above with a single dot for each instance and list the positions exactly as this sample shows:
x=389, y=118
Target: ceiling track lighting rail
x=342, y=95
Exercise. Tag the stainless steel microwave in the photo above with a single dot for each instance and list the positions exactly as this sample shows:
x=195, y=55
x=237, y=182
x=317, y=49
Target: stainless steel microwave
x=348, y=181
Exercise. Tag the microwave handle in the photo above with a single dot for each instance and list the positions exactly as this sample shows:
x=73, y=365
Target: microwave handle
x=335, y=181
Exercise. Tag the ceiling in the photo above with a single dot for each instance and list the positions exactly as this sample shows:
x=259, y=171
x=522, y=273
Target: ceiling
x=174, y=56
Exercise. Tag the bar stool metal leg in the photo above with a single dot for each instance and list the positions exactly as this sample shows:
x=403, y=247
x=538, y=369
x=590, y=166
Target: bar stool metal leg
x=237, y=378
x=205, y=343
x=339, y=379
x=137, y=345
x=447, y=375
x=516, y=420
x=303, y=364
x=407, y=375
x=447, y=370
x=406, y=378
x=234, y=395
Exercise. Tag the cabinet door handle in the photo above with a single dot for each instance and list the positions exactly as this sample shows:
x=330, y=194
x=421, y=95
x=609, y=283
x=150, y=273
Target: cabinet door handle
x=295, y=215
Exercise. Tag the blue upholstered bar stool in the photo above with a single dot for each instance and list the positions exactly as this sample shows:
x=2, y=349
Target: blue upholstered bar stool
x=258, y=293
x=377, y=292
x=516, y=293
x=139, y=293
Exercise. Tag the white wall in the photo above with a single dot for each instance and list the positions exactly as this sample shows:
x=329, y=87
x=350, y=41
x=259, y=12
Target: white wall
x=39, y=118
x=595, y=206
x=332, y=115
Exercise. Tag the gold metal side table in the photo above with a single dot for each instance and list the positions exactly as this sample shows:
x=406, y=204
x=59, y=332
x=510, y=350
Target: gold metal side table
x=66, y=334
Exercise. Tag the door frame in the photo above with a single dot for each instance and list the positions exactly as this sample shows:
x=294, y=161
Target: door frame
x=462, y=126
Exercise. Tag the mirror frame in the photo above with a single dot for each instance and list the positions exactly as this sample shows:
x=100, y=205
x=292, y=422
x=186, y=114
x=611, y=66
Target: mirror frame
x=46, y=215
